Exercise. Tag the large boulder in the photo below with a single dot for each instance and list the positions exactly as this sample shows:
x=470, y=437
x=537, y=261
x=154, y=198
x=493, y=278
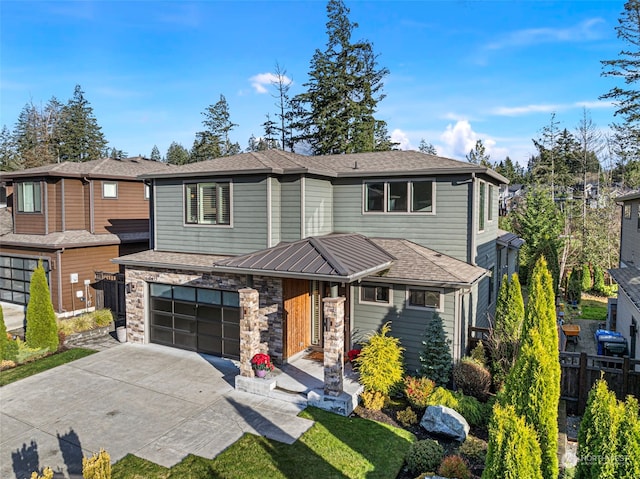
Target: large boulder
x=445, y=421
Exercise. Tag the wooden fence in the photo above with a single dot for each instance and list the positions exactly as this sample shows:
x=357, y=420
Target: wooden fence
x=110, y=293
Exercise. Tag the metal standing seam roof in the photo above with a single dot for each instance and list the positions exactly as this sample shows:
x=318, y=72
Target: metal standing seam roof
x=629, y=280
x=336, y=257
x=507, y=238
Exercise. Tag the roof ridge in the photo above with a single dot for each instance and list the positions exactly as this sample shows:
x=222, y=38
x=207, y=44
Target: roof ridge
x=328, y=257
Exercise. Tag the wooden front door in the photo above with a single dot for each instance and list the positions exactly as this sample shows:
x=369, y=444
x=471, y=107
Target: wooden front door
x=296, y=316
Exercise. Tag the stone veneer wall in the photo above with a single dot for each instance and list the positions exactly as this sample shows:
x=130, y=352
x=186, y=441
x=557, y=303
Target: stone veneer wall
x=270, y=290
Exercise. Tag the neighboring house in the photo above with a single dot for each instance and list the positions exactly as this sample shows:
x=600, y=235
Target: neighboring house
x=400, y=235
x=510, y=196
x=75, y=217
x=626, y=318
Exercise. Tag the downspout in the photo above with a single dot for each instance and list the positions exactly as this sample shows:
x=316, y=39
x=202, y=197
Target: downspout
x=302, y=208
x=269, y=214
x=155, y=216
x=59, y=266
x=457, y=326
x=63, y=218
x=46, y=207
x=474, y=221
x=91, y=203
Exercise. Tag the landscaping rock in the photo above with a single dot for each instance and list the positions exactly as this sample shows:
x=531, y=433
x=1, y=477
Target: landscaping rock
x=445, y=421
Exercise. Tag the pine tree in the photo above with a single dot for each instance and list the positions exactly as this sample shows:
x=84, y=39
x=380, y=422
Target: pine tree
x=155, y=154
x=9, y=158
x=42, y=330
x=336, y=113
x=427, y=148
x=177, y=154
x=435, y=358
x=513, y=451
x=478, y=155
x=81, y=137
x=214, y=141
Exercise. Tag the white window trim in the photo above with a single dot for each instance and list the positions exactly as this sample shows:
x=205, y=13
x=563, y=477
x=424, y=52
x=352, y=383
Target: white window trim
x=147, y=191
x=490, y=194
x=184, y=206
x=375, y=285
x=439, y=309
x=110, y=183
x=482, y=200
x=409, y=197
x=20, y=203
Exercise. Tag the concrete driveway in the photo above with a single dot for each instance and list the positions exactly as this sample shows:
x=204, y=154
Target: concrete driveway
x=155, y=402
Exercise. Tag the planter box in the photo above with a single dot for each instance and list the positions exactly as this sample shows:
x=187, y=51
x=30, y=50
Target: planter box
x=92, y=333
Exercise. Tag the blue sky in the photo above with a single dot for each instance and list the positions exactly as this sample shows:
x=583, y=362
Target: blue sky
x=459, y=70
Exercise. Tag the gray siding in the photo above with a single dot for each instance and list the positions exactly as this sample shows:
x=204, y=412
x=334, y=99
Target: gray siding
x=276, y=216
x=290, y=229
x=446, y=231
x=630, y=237
x=318, y=211
x=249, y=220
x=406, y=324
x=486, y=255
x=627, y=312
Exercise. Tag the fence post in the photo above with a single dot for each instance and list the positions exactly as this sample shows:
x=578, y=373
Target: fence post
x=625, y=377
x=582, y=383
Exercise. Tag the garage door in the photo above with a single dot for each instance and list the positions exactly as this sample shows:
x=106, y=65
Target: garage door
x=197, y=319
x=15, y=277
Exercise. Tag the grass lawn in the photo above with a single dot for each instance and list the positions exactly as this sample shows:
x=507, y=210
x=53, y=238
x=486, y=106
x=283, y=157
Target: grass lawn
x=29, y=369
x=334, y=447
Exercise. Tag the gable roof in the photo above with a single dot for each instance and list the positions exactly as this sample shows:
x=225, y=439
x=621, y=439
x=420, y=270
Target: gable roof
x=628, y=280
x=509, y=239
x=629, y=197
x=380, y=163
x=126, y=168
x=337, y=257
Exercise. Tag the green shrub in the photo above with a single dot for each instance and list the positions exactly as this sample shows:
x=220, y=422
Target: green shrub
x=513, y=450
x=373, y=400
x=574, y=287
x=478, y=354
x=586, y=278
x=455, y=467
x=47, y=473
x=8, y=347
x=407, y=417
x=380, y=364
x=472, y=378
x=418, y=390
x=598, y=280
x=97, y=467
x=85, y=322
x=26, y=353
x=435, y=357
x=102, y=317
x=629, y=440
x=42, y=330
x=474, y=450
x=475, y=412
x=424, y=456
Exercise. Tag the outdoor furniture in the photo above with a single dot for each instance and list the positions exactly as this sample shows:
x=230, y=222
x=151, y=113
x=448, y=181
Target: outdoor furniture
x=572, y=332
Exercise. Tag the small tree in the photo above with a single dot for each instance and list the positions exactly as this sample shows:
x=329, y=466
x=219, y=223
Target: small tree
x=586, y=278
x=42, y=330
x=8, y=348
x=436, y=357
x=513, y=451
x=598, y=280
x=629, y=441
x=380, y=367
x=574, y=287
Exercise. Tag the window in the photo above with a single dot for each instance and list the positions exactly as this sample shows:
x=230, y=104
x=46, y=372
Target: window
x=208, y=203
x=109, y=189
x=424, y=298
x=29, y=197
x=481, y=206
x=399, y=197
x=627, y=211
x=370, y=293
x=147, y=191
x=490, y=204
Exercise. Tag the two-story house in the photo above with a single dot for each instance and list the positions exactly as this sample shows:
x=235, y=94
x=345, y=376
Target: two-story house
x=627, y=315
x=74, y=217
x=400, y=235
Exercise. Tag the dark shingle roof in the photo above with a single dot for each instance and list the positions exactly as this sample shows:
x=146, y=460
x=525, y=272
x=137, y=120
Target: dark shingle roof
x=418, y=265
x=127, y=168
x=381, y=163
x=629, y=280
x=71, y=239
x=629, y=196
x=163, y=259
x=337, y=257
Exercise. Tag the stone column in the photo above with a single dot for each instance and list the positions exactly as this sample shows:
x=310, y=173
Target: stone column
x=333, y=345
x=249, y=329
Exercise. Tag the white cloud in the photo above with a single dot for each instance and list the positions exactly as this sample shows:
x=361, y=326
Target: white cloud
x=262, y=80
x=399, y=136
x=549, y=108
x=458, y=140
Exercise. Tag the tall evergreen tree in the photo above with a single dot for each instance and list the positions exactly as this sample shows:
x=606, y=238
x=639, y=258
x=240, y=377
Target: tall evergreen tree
x=81, y=138
x=214, y=141
x=427, y=148
x=42, y=330
x=177, y=154
x=336, y=112
x=155, y=154
x=283, y=104
x=9, y=158
x=37, y=134
x=629, y=440
x=435, y=358
x=478, y=155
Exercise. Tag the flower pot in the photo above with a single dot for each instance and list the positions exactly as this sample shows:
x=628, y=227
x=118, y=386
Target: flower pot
x=261, y=373
x=121, y=333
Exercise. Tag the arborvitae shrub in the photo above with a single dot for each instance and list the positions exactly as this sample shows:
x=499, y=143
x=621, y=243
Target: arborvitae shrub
x=418, y=390
x=472, y=378
x=47, y=473
x=629, y=440
x=97, y=467
x=586, y=278
x=424, y=456
x=598, y=280
x=513, y=451
x=407, y=417
x=8, y=347
x=42, y=330
x=380, y=365
x=478, y=354
x=574, y=287
x=454, y=467
x=435, y=358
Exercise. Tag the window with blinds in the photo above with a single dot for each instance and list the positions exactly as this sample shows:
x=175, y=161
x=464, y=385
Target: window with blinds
x=208, y=203
x=29, y=197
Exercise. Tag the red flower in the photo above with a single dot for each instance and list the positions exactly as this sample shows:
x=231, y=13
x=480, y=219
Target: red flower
x=261, y=361
x=353, y=354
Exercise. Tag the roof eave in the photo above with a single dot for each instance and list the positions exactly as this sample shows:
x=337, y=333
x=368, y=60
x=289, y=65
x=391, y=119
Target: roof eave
x=156, y=264
x=431, y=284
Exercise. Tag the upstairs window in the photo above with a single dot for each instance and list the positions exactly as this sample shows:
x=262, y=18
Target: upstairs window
x=490, y=203
x=208, y=203
x=29, y=197
x=481, y=205
x=109, y=189
x=627, y=211
x=399, y=197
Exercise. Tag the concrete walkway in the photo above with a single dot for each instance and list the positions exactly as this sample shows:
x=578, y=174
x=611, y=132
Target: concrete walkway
x=155, y=402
